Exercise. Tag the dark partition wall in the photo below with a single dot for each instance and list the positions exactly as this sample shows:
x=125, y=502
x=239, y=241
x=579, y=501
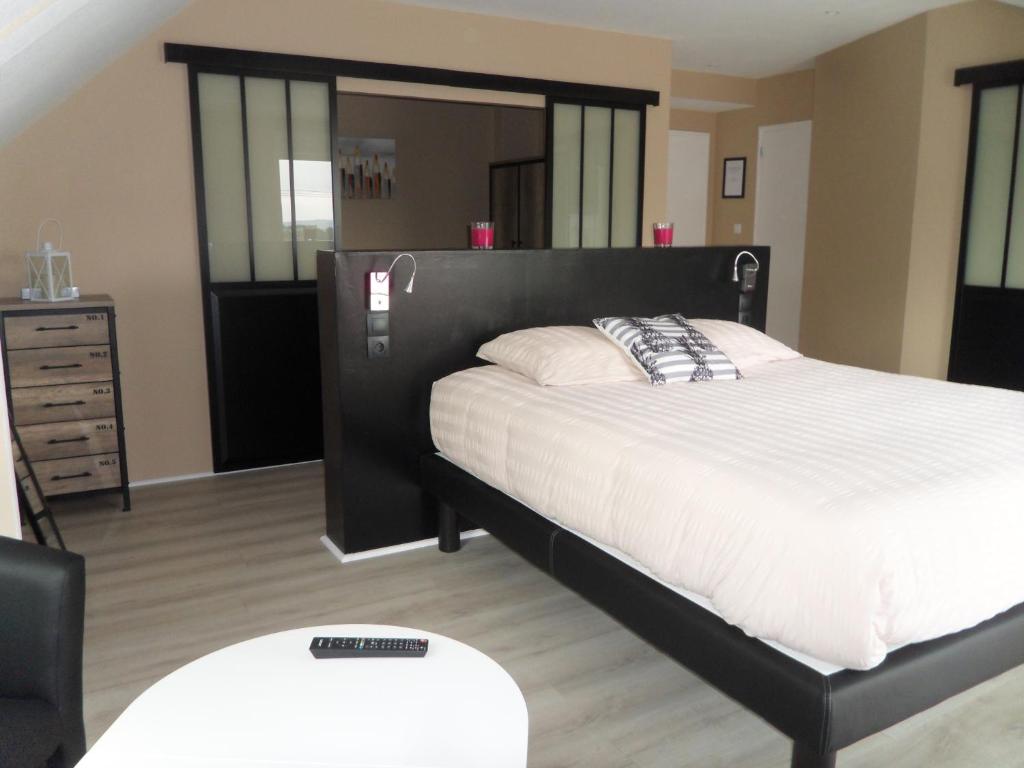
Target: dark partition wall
x=376, y=410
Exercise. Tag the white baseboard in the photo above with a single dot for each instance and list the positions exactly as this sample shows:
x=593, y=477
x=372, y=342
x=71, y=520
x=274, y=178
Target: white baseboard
x=353, y=557
x=202, y=475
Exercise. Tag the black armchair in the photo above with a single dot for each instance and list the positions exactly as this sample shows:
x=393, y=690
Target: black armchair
x=42, y=611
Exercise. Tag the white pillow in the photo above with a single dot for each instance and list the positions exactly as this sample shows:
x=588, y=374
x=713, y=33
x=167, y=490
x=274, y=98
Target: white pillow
x=744, y=345
x=560, y=355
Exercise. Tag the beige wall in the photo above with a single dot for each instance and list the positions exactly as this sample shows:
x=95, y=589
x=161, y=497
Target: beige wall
x=114, y=163
x=706, y=86
x=781, y=99
x=867, y=105
x=887, y=177
x=957, y=36
x=443, y=150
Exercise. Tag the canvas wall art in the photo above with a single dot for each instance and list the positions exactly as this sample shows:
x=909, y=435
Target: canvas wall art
x=367, y=168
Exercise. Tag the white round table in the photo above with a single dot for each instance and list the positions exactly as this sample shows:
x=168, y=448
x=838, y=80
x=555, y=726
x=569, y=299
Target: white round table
x=267, y=703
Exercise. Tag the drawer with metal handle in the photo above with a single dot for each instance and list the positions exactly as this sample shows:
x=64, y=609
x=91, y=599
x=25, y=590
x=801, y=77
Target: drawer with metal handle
x=69, y=438
x=65, y=402
x=56, y=330
x=81, y=473
x=58, y=365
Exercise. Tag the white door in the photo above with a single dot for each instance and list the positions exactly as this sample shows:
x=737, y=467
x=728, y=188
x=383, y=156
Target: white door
x=689, y=156
x=780, y=220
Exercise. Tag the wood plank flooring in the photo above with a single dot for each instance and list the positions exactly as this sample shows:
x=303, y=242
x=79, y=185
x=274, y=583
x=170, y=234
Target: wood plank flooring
x=201, y=564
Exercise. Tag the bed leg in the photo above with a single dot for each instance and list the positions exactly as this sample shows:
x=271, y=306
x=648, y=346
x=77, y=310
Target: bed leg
x=805, y=757
x=448, y=539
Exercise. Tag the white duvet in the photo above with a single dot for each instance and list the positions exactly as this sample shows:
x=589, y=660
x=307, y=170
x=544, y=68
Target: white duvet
x=834, y=510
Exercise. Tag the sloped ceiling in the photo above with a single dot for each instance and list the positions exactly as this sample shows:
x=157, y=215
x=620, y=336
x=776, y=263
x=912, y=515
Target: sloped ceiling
x=48, y=48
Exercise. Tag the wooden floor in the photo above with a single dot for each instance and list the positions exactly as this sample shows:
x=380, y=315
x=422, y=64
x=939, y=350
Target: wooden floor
x=201, y=564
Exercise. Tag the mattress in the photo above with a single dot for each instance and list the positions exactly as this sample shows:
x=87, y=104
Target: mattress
x=833, y=511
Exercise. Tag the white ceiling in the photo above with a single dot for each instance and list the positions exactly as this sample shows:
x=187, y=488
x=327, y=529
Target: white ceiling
x=750, y=38
x=48, y=48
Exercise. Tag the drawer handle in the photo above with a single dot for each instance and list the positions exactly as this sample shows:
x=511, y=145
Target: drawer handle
x=65, y=365
x=57, y=441
x=62, y=405
x=57, y=328
x=70, y=477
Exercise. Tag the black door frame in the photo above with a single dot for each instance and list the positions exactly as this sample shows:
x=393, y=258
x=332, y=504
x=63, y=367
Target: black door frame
x=214, y=367
x=982, y=78
x=517, y=164
x=242, y=63
x=313, y=67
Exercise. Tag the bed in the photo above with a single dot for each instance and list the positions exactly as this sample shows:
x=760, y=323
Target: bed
x=904, y=497
x=385, y=474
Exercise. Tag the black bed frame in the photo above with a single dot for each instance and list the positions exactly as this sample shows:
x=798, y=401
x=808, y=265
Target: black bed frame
x=386, y=484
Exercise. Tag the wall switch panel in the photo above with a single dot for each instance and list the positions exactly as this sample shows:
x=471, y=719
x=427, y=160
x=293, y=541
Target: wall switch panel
x=378, y=331
x=378, y=291
x=748, y=278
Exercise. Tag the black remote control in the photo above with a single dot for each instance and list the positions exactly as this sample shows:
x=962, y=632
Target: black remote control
x=366, y=647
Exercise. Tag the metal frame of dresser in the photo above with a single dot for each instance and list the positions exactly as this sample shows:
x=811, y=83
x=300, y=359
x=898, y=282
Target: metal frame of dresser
x=77, y=308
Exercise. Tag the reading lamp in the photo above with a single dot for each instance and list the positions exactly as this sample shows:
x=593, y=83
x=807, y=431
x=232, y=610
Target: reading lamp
x=408, y=288
x=380, y=285
x=378, y=342
x=749, y=278
x=736, y=264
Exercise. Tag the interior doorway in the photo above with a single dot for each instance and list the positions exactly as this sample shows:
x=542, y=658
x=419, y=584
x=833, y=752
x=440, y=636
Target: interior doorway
x=416, y=171
x=689, y=162
x=780, y=220
x=265, y=131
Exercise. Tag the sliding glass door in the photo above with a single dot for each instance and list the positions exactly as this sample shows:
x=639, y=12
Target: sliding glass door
x=595, y=184
x=265, y=196
x=987, y=346
x=266, y=169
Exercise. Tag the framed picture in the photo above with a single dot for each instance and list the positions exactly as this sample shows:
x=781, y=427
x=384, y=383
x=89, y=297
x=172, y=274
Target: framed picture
x=734, y=176
x=367, y=168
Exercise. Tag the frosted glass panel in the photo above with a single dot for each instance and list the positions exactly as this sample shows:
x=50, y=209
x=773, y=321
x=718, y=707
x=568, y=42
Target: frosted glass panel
x=597, y=167
x=990, y=197
x=227, y=233
x=625, y=175
x=565, y=176
x=269, y=184
x=1015, y=265
x=314, y=196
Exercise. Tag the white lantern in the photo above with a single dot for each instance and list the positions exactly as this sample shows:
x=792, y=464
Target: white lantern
x=49, y=269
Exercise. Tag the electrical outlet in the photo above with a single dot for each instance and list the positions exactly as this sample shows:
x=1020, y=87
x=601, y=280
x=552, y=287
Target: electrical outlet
x=737, y=229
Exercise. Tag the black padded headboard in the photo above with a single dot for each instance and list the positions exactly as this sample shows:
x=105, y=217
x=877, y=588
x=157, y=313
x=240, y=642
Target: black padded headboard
x=376, y=411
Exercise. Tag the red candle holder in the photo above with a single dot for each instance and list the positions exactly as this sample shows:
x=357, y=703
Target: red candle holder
x=481, y=235
x=663, y=231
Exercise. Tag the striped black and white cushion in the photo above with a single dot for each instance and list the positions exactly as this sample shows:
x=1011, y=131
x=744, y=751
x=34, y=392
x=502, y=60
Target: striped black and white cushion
x=668, y=349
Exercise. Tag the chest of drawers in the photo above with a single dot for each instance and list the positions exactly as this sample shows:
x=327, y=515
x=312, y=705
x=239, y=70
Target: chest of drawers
x=64, y=392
